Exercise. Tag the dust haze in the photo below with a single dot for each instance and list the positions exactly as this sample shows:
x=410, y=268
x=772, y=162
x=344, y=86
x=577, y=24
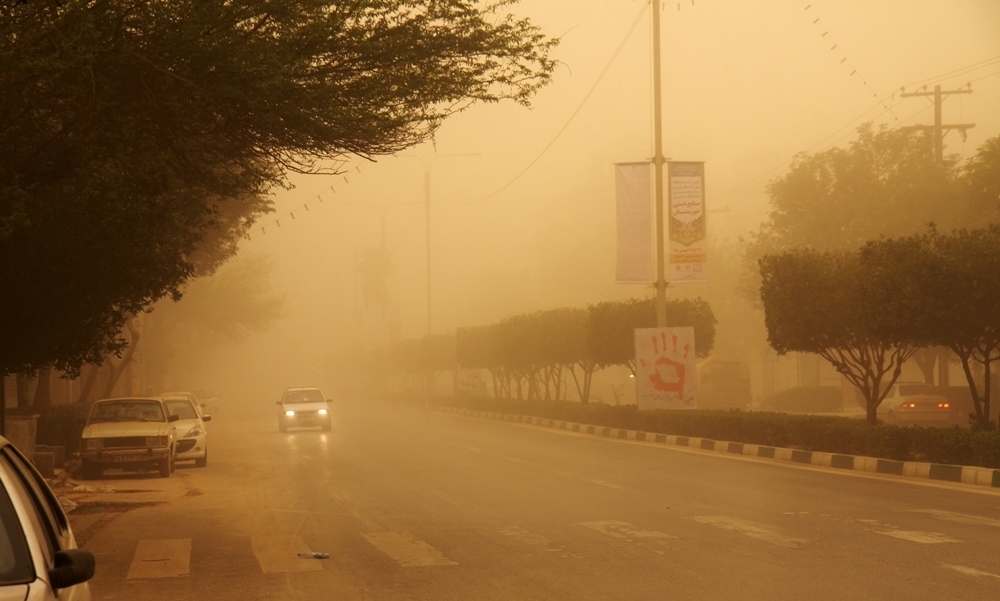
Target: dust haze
x=522, y=199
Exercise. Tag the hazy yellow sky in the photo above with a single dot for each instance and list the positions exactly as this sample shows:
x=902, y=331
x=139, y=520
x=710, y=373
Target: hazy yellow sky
x=527, y=221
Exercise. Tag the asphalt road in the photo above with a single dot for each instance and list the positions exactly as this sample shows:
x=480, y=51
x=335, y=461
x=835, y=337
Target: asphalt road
x=411, y=504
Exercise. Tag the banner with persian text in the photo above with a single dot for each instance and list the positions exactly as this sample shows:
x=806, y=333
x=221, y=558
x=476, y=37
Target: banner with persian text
x=686, y=211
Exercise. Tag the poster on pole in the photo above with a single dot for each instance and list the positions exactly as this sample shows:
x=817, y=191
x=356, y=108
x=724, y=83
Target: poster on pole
x=686, y=212
x=665, y=370
x=634, y=227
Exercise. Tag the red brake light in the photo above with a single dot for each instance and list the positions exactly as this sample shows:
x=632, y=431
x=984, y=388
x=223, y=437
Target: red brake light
x=944, y=405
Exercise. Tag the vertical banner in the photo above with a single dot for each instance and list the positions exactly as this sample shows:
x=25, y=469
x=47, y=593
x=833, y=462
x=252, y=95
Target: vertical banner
x=666, y=375
x=634, y=263
x=686, y=211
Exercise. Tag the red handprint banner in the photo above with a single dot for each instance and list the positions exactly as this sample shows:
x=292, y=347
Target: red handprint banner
x=665, y=370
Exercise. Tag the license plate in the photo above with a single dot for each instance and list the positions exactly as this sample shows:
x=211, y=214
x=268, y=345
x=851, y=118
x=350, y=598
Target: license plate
x=127, y=458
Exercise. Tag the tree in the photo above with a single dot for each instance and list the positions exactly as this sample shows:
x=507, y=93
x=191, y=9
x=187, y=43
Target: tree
x=960, y=293
x=853, y=312
x=126, y=128
x=613, y=326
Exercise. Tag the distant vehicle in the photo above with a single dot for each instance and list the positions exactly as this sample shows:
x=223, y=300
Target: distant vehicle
x=304, y=407
x=192, y=435
x=199, y=405
x=132, y=434
x=915, y=403
x=723, y=382
x=39, y=559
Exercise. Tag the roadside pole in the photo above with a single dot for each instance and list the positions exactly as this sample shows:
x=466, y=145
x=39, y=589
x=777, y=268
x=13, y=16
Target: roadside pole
x=658, y=160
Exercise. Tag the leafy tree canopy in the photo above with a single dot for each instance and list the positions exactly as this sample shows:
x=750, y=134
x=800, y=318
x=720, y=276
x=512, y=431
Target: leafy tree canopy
x=132, y=131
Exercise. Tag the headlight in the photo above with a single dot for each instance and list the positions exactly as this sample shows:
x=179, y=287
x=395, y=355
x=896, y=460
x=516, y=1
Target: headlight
x=195, y=431
x=289, y=413
x=93, y=443
x=156, y=441
x=322, y=411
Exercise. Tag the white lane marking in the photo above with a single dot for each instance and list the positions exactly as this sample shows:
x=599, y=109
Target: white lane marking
x=279, y=554
x=161, y=559
x=959, y=518
x=605, y=483
x=750, y=529
x=971, y=571
x=407, y=550
x=915, y=536
x=626, y=531
x=474, y=449
x=522, y=535
x=530, y=538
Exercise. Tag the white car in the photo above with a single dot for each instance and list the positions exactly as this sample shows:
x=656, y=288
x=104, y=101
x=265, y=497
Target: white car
x=192, y=435
x=132, y=434
x=39, y=559
x=195, y=400
x=915, y=403
x=304, y=407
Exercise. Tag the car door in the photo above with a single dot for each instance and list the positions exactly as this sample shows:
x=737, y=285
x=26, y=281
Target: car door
x=46, y=525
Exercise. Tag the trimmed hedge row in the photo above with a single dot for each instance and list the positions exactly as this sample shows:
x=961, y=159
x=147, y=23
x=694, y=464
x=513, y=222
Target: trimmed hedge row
x=841, y=435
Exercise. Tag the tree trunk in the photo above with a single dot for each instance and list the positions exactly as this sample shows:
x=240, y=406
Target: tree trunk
x=22, y=391
x=90, y=376
x=925, y=359
x=43, y=393
x=115, y=370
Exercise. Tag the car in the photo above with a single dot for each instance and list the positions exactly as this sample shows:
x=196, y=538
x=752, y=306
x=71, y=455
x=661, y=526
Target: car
x=199, y=405
x=304, y=407
x=915, y=403
x=192, y=435
x=130, y=433
x=39, y=559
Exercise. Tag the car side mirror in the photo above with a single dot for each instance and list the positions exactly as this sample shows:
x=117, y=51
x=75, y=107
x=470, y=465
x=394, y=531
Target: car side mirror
x=173, y=418
x=72, y=566
x=81, y=421
x=278, y=403
x=328, y=401
x=206, y=418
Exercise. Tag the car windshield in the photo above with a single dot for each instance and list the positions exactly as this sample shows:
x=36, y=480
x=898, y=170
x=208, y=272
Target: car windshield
x=182, y=409
x=127, y=411
x=303, y=396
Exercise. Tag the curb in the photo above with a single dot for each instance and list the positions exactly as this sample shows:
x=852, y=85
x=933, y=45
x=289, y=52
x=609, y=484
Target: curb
x=962, y=474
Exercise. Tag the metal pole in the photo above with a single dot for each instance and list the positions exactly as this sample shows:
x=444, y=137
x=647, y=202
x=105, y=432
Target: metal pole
x=658, y=160
x=427, y=206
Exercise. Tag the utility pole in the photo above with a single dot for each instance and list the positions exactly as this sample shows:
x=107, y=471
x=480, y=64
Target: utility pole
x=939, y=129
x=658, y=160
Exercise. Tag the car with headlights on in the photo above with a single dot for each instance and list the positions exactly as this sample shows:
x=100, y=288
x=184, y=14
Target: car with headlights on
x=304, y=407
x=915, y=403
x=192, y=435
x=132, y=434
x=39, y=559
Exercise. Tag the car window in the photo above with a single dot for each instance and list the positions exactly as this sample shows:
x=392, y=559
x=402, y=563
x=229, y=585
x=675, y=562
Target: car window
x=128, y=410
x=908, y=389
x=39, y=525
x=304, y=396
x=15, y=562
x=182, y=409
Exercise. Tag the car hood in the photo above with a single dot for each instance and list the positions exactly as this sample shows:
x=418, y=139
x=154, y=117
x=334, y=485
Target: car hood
x=114, y=429
x=184, y=425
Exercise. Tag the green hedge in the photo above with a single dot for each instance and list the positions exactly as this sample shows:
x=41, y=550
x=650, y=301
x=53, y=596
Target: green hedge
x=58, y=425
x=955, y=446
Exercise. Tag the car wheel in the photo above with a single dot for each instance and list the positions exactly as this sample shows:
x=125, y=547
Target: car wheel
x=91, y=471
x=166, y=466
x=202, y=461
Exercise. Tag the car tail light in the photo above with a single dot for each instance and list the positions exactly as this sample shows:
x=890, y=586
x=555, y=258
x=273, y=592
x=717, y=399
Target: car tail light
x=909, y=405
x=944, y=405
